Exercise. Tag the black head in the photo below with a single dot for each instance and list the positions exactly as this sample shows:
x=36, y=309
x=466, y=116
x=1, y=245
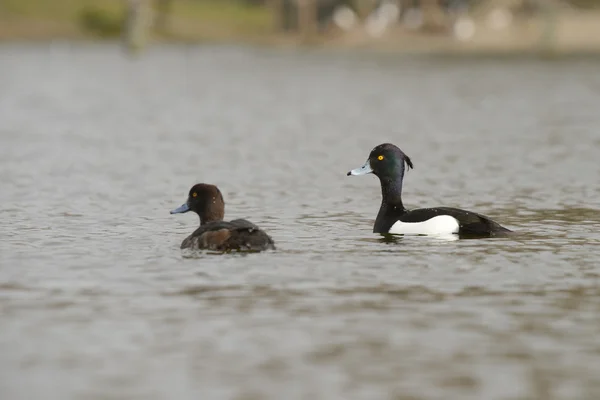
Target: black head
x=206, y=201
x=385, y=161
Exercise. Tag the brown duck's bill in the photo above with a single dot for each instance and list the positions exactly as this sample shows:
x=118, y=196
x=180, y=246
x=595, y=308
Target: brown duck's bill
x=181, y=209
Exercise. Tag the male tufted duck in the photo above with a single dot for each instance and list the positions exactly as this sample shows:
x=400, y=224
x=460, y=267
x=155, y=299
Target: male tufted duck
x=387, y=162
x=214, y=233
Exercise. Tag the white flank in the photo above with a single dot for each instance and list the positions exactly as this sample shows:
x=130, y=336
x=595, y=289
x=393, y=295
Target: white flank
x=438, y=225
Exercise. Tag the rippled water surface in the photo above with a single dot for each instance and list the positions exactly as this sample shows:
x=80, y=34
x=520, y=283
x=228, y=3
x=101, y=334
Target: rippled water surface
x=97, y=302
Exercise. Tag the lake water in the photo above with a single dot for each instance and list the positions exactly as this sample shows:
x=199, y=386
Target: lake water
x=97, y=302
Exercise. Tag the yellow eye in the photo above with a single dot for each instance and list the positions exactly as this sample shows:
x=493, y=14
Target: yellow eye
x=380, y=158
x=194, y=194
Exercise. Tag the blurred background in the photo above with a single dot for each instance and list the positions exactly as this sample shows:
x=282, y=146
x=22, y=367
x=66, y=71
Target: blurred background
x=414, y=25
x=110, y=110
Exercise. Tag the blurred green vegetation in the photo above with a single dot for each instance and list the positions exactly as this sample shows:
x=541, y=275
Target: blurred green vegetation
x=186, y=19
x=254, y=21
x=585, y=3
x=103, y=22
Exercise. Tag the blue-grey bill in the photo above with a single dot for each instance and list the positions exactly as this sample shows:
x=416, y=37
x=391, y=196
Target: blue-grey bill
x=181, y=209
x=365, y=169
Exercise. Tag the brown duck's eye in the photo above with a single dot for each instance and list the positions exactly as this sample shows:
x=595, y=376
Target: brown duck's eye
x=380, y=158
x=194, y=194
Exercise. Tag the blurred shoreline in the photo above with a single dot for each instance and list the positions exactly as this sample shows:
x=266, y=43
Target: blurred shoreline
x=568, y=32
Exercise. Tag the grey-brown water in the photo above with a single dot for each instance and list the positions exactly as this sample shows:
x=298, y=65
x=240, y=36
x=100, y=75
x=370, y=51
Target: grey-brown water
x=97, y=302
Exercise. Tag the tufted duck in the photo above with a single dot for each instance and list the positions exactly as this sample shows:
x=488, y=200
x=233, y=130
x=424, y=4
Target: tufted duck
x=214, y=233
x=387, y=162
